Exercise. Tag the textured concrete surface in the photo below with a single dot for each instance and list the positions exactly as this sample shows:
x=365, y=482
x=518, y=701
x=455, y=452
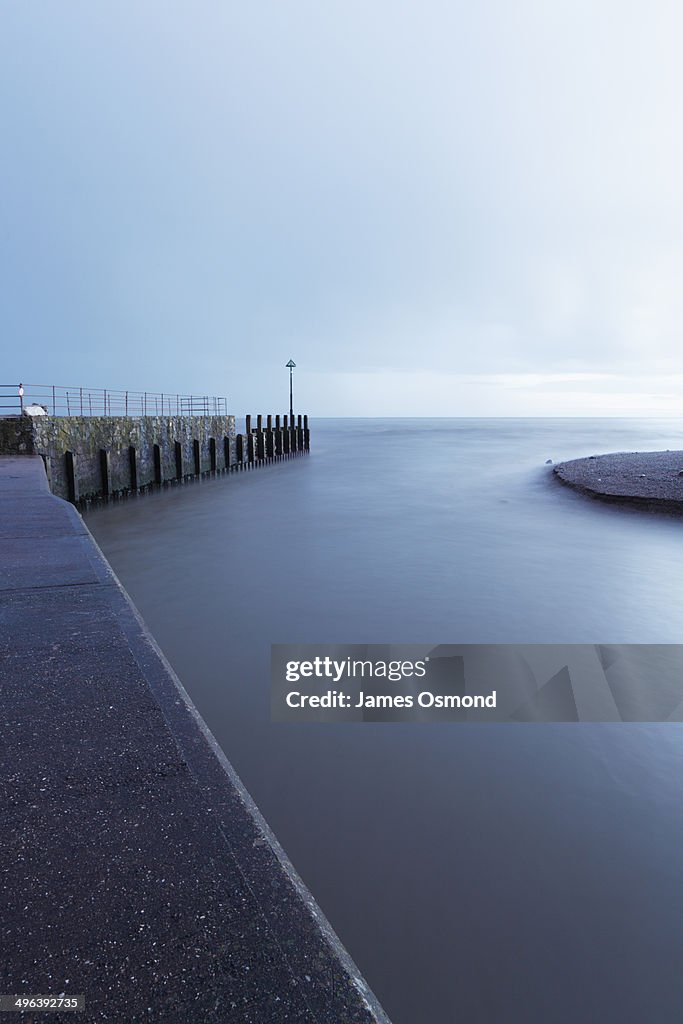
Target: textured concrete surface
x=649, y=479
x=134, y=867
x=87, y=436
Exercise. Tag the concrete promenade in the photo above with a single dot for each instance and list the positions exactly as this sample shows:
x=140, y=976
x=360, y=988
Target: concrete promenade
x=648, y=479
x=134, y=868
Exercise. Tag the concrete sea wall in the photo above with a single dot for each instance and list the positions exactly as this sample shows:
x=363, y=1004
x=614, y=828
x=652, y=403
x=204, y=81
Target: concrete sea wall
x=89, y=457
x=135, y=870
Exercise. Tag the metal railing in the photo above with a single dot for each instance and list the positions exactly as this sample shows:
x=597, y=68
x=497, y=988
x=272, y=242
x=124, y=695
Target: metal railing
x=77, y=401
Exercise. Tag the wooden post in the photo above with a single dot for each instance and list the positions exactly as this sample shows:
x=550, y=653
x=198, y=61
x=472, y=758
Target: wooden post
x=250, y=449
x=260, y=445
x=278, y=439
x=239, y=450
x=269, y=422
x=71, y=476
x=247, y=428
x=212, y=454
x=270, y=441
x=48, y=469
x=105, y=472
x=259, y=422
x=197, y=458
x=285, y=438
x=158, y=473
x=226, y=452
x=178, y=460
x=133, y=463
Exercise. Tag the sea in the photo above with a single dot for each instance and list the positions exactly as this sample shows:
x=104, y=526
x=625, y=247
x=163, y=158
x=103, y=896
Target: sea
x=477, y=873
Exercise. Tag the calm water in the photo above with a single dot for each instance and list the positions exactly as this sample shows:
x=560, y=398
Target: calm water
x=484, y=874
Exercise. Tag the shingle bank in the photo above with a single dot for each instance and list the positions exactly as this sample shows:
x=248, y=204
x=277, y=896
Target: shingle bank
x=647, y=479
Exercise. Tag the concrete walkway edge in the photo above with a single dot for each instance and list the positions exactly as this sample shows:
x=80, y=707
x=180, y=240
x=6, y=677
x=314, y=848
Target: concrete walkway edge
x=148, y=796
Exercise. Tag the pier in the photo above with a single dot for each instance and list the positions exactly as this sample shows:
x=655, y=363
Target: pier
x=136, y=870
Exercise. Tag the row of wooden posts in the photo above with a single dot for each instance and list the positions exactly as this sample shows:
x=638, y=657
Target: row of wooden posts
x=263, y=444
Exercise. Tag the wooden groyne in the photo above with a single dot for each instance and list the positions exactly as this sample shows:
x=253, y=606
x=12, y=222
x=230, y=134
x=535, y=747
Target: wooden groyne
x=271, y=441
x=104, y=456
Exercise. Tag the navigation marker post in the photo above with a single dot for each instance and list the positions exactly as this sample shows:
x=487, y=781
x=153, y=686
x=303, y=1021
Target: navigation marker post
x=290, y=365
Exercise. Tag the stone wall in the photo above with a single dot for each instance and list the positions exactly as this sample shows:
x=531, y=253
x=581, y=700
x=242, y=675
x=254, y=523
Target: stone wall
x=95, y=456
x=16, y=435
x=103, y=456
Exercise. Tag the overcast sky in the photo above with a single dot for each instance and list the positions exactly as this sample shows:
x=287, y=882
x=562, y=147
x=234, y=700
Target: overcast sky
x=435, y=208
